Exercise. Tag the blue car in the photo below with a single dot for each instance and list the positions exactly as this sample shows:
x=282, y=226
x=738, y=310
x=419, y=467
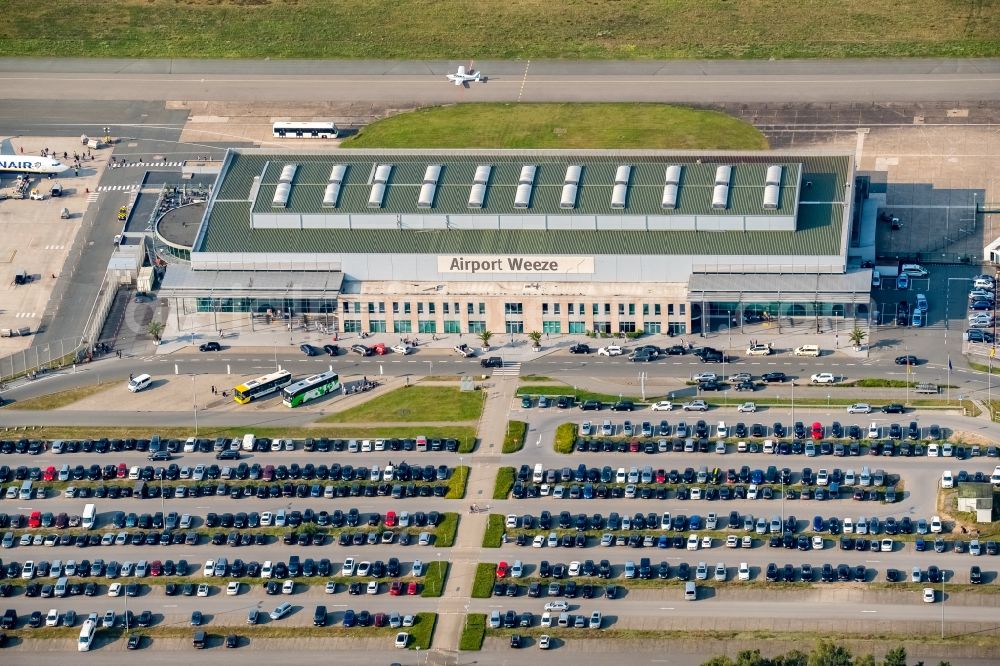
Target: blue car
x=819, y=525
x=695, y=522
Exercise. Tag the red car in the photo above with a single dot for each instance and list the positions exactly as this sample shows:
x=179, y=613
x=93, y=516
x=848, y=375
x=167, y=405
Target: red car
x=396, y=588
x=411, y=589
x=49, y=474
x=156, y=568
x=502, y=569
x=380, y=349
x=633, y=446
x=661, y=476
x=35, y=519
x=122, y=470
x=390, y=519
x=817, y=430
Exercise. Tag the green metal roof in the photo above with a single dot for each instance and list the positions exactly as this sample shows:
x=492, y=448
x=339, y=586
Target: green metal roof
x=819, y=218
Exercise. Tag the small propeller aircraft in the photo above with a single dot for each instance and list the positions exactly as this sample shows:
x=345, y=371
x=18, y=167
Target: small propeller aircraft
x=463, y=76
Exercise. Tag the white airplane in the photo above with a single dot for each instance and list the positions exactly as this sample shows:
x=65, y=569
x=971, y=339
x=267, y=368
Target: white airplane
x=462, y=77
x=30, y=164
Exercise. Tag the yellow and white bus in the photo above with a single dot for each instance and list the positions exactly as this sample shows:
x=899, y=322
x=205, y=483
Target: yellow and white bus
x=258, y=388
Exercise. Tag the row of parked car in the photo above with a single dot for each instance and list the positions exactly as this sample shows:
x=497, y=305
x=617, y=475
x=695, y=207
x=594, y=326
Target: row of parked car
x=202, y=445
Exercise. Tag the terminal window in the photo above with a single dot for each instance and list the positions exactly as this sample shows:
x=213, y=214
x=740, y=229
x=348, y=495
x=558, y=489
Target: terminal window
x=513, y=308
x=402, y=326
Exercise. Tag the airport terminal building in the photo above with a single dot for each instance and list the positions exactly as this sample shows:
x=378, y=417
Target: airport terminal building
x=461, y=241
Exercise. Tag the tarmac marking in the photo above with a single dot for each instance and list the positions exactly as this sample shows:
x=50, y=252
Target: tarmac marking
x=25, y=315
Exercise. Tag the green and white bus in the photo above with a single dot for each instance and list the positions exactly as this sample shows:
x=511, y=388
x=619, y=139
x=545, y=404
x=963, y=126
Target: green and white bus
x=310, y=388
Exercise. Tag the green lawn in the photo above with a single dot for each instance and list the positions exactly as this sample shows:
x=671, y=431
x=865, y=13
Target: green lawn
x=514, y=439
x=457, y=483
x=565, y=437
x=415, y=404
x=504, y=482
x=422, y=631
x=482, y=585
x=455, y=29
x=444, y=537
x=435, y=575
x=579, y=394
x=473, y=632
x=561, y=126
x=495, y=529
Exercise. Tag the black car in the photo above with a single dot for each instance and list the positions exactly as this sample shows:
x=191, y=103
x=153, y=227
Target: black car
x=590, y=405
x=893, y=408
x=579, y=349
x=909, y=359
x=491, y=362
x=210, y=346
x=332, y=350
x=772, y=377
x=712, y=386
x=623, y=406
x=308, y=349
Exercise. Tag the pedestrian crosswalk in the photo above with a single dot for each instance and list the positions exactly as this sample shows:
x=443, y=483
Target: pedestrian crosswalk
x=92, y=197
x=24, y=315
x=509, y=369
x=55, y=247
x=117, y=188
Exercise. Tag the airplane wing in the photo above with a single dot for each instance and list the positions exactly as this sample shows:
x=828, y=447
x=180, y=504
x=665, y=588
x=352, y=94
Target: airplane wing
x=458, y=81
x=461, y=71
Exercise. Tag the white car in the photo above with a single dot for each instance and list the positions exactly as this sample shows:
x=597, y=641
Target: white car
x=288, y=587
x=347, y=570
x=747, y=408
x=331, y=587
x=401, y=349
x=995, y=476
x=372, y=587
x=544, y=642
x=744, y=571
x=517, y=569
x=663, y=406
x=52, y=619
x=947, y=480
x=203, y=590
x=538, y=541
x=556, y=606
x=860, y=408
x=692, y=542
x=115, y=590
x=823, y=378
x=936, y=526
x=233, y=588
x=759, y=350
x=732, y=541
x=817, y=543
x=610, y=350
x=209, y=569
x=928, y=595
x=402, y=639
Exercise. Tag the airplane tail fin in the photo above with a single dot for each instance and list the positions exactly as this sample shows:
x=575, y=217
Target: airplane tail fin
x=6, y=147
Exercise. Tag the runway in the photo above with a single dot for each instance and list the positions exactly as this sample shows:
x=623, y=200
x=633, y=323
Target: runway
x=406, y=82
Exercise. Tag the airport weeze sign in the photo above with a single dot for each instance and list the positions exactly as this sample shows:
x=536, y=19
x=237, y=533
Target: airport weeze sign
x=520, y=264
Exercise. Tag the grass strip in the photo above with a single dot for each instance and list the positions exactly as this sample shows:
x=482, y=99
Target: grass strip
x=575, y=125
x=495, y=530
x=446, y=529
x=415, y=404
x=458, y=482
x=422, y=631
x=565, y=438
x=504, y=482
x=580, y=394
x=514, y=441
x=482, y=584
x=473, y=632
x=435, y=576
x=60, y=399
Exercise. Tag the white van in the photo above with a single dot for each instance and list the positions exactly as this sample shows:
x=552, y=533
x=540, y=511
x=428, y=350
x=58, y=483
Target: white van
x=87, y=633
x=807, y=350
x=690, y=591
x=136, y=384
x=60, y=588
x=913, y=270
x=539, y=474
x=133, y=473
x=248, y=442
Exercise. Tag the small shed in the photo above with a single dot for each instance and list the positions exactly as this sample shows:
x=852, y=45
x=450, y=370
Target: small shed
x=977, y=498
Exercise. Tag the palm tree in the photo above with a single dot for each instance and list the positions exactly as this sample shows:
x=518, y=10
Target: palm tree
x=155, y=329
x=857, y=337
x=484, y=337
x=536, y=339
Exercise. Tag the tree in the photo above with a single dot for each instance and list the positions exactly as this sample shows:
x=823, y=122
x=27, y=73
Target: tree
x=484, y=337
x=827, y=653
x=895, y=657
x=857, y=336
x=536, y=339
x=792, y=658
x=155, y=329
x=865, y=660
